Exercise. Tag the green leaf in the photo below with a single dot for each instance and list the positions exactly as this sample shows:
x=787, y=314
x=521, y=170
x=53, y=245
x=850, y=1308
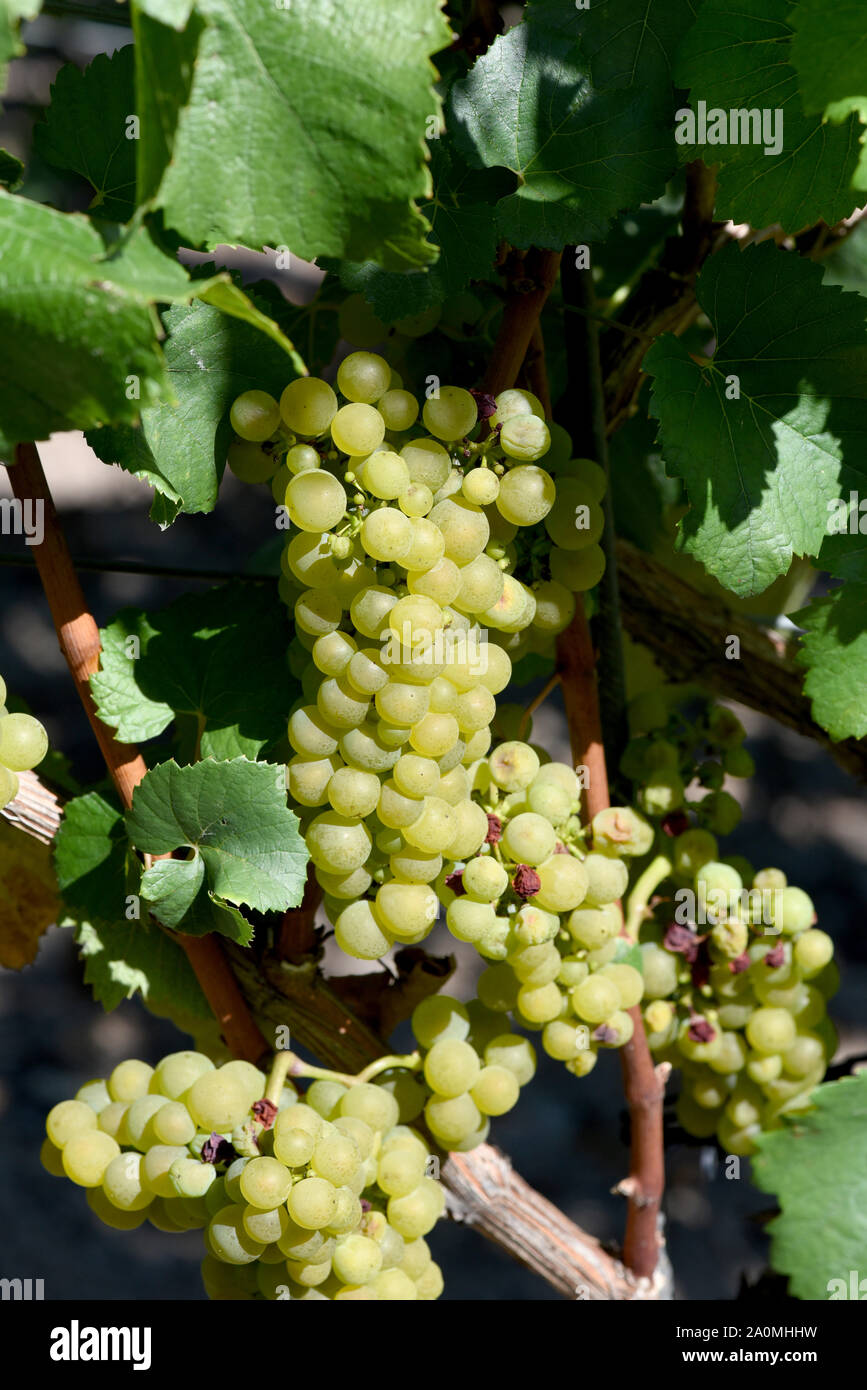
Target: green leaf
x=100, y=151
x=234, y=817
x=124, y=958
x=739, y=58
x=580, y=153
x=299, y=124
x=461, y=220
x=195, y=658
x=180, y=448
x=11, y=170
x=90, y=858
x=817, y=1169
x=11, y=13
x=172, y=12
x=76, y=322
x=762, y=471
x=179, y=896
x=829, y=52
x=834, y=651
x=628, y=953
x=629, y=42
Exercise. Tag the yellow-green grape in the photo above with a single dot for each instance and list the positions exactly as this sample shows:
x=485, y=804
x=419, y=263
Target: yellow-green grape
x=400, y=1170
x=792, y=911
x=254, y=415
x=308, y=406
x=563, y=883
x=363, y=376
x=416, y=776
x=692, y=850
x=530, y=839
x=111, y=1118
x=428, y=462
x=68, y=1118
x=308, y=779
x=513, y=766
x=8, y=783
x=312, y=1203
x=469, y=920
x=577, y=570
x=607, y=879
x=451, y=1120
x=812, y=951
x=515, y=402
x=536, y=965
x=515, y=1053
x=359, y=933
x=396, y=810
x=439, y=1016
x=464, y=526
x=659, y=969
x=616, y=1030
x=526, y=438
x=572, y=971
x=399, y=409
x=86, y=1156
x=265, y=1183
x=771, y=1030
x=555, y=607
x=485, y=878
x=471, y=833
x=315, y=501
x=402, y=704
x=480, y=486
x=318, y=612
x=532, y=925
x=481, y=585
x=804, y=1055
x=770, y=879
x=451, y=1067
x=441, y=583
x=596, y=999
x=365, y=672
x=155, y=1167
x=386, y=475
x=129, y=1080
x=406, y=909
x=576, y=522
x=228, y=1238
x=333, y=651
x=588, y=474
x=495, y=1090
x=434, y=735
x=301, y=458
x=563, y=1040
x=138, y=1119
x=218, y=1102
x=386, y=534
x=539, y=1003
x=123, y=1183
x=357, y=429
x=514, y=609
x=436, y=827
x=622, y=831
x=249, y=463
x=450, y=414
x=628, y=980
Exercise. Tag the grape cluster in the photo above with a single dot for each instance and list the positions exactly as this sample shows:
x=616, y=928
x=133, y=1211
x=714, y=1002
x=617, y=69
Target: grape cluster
x=737, y=1002
x=401, y=557
x=23, y=744
x=326, y=1197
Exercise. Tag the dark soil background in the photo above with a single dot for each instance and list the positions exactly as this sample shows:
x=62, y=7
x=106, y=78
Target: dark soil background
x=566, y=1136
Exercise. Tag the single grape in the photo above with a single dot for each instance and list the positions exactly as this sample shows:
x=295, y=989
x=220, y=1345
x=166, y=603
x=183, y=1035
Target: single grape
x=254, y=416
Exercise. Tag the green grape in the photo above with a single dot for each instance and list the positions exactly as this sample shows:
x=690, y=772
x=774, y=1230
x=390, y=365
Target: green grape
x=622, y=831
x=392, y=1285
x=692, y=850
x=308, y=779
x=513, y=1052
x=555, y=607
x=514, y=402
x=465, y=528
x=485, y=878
x=129, y=1080
x=428, y=462
x=357, y=1259
x=374, y=1105
x=336, y=843
x=451, y=414
x=771, y=1030
x=480, y=486
x=250, y=463
x=539, y=1003
x=770, y=879
x=592, y=927
x=482, y=584
x=628, y=980
x=336, y=1157
x=721, y=812
x=812, y=951
x=439, y=1017
x=607, y=879
x=317, y=612
x=563, y=1040
x=359, y=933
x=583, y=1064
x=333, y=651
x=300, y=459
x=595, y=999
x=23, y=742
x=363, y=376
x=572, y=971
x=577, y=570
x=563, y=883
x=402, y=704
x=358, y=324
x=801, y=1058
x=217, y=1102
x=312, y=1203
x=315, y=500
x=793, y=911
x=430, y=1284
x=138, y=1118
x=406, y=910
x=353, y=792
x=694, y=1118
x=576, y=522
x=86, y=1156
x=123, y=1183
x=308, y=406
x=365, y=672
x=191, y=1178
x=357, y=429
x=228, y=1238
x=618, y=1029
x=415, y=502
x=434, y=735
x=496, y=1090
x=451, y=1067
x=111, y=1118
x=529, y=839
x=68, y=1118
x=110, y=1215
x=8, y=785
x=265, y=1183
x=469, y=920
x=399, y=410
x=526, y=493
x=450, y=1120
x=254, y=416
x=95, y=1094
x=386, y=475
x=524, y=437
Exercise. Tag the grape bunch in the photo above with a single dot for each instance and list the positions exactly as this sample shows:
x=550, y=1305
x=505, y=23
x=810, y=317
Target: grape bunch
x=737, y=1002
x=325, y=1197
x=23, y=744
x=401, y=557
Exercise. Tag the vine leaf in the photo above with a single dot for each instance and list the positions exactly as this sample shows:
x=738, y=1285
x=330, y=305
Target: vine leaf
x=332, y=103
x=11, y=14
x=124, y=958
x=95, y=870
x=739, y=57
x=580, y=153
x=171, y=12
x=180, y=448
x=461, y=220
x=101, y=151
x=245, y=843
x=194, y=659
x=834, y=651
x=829, y=54
x=629, y=42
x=816, y=1168
x=763, y=468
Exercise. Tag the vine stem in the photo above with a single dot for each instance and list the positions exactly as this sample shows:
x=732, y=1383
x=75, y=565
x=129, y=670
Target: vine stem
x=78, y=636
x=530, y=280
x=643, y=1086
x=295, y=1066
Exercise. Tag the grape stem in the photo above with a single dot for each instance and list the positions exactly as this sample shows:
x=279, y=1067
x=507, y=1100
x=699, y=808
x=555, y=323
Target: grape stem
x=78, y=636
x=538, y=700
x=645, y=887
x=296, y=1067
x=277, y=1075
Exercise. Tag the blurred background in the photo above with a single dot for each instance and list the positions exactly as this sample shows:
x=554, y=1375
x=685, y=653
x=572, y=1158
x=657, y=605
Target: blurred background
x=566, y=1136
